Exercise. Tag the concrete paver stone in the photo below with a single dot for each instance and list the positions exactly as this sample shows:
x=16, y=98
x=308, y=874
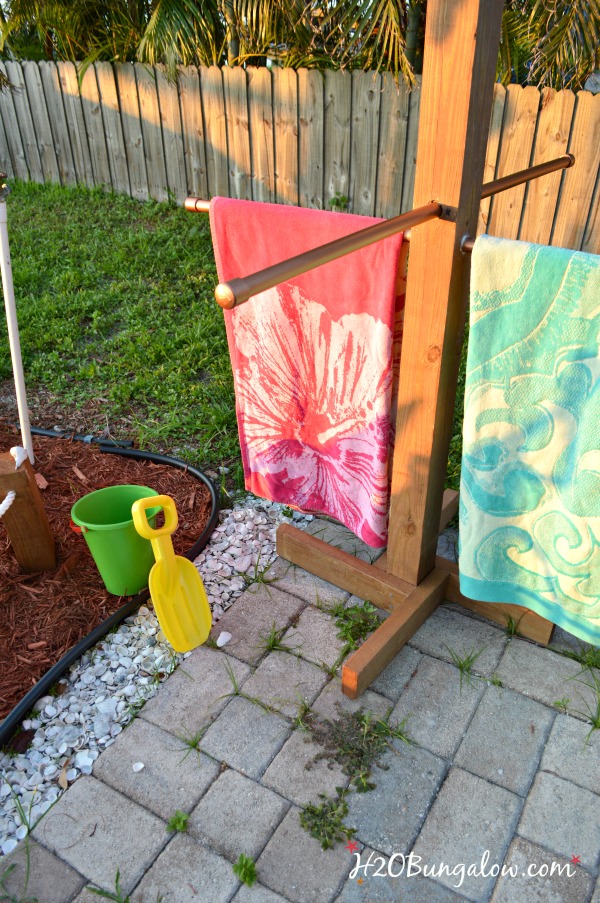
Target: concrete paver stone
x=97, y=831
x=564, y=818
x=253, y=615
x=395, y=678
x=537, y=875
x=470, y=819
x=246, y=737
x=192, y=697
x=543, y=675
x=573, y=753
x=447, y=629
x=505, y=739
x=342, y=538
x=50, y=879
x=173, y=777
x=294, y=864
x=331, y=702
x=388, y=818
x=185, y=872
x=257, y=894
x=315, y=637
x=437, y=708
x=283, y=681
x=297, y=582
x=380, y=879
x=237, y=815
x=289, y=775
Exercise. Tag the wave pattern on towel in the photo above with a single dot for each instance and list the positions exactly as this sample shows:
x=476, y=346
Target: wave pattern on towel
x=313, y=406
x=530, y=493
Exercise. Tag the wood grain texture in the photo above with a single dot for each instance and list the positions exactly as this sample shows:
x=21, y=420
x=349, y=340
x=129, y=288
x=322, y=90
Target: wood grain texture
x=338, y=110
x=23, y=115
x=76, y=123
x=311, y=84
x=132, y=130
x=516, y=149
x=364, y=147
x=94, y=125
x=410, y=155
x=578, y=182
x=366, y=664
x=213, y=104
x=551, y=139
x=17, y=157
x=26, y=521
x=491, y=155
x=41, y=122
x=172, y=138
x=58, y=122
x=238, y=133
x=5, y=158
x=147, y=93
x=192, y=123
x=461, y=45
x=393, y=130
x=262, y=141
x=113, y=128
x=591, y=237
x=285, y=123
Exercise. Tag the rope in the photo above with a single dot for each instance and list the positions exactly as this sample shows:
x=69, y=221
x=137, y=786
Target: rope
x=7, y=502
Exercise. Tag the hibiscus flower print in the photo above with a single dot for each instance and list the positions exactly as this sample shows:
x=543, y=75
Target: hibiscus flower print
x=313, y=400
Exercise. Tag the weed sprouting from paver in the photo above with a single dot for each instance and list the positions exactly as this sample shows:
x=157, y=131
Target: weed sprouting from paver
x=116, y=895
x=354, y=623
x=592, y=711
x=191, y=742
x=236, y=691
x=6, y=895
x=259, y=575
x=465, y=664
x=325, y=821
x=356, y=741
x=245, y=869
x=495, y=681
x=587, y=656
x=178, y=822
x=301, y=720
x=273, y=641
x=512, y=626
x=561, y=704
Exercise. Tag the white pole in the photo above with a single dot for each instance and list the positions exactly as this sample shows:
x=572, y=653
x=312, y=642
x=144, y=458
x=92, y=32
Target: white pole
x=13, y=326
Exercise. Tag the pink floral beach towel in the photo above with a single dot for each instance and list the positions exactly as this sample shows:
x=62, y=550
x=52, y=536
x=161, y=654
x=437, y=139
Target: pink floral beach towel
x=312, y=362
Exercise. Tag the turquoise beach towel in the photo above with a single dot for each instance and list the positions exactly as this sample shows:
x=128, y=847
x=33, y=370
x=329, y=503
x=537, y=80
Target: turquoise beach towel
x=530, y=479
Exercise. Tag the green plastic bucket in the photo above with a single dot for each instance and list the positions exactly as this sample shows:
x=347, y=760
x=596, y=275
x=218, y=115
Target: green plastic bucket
x=122, y=556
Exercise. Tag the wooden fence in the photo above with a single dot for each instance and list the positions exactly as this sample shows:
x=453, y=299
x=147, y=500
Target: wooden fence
x=290, y=137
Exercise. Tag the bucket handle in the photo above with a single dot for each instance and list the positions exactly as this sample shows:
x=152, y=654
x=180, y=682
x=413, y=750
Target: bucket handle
x=77, y=529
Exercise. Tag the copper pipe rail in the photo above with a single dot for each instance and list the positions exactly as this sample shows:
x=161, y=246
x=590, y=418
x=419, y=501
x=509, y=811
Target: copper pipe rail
x=237, y=291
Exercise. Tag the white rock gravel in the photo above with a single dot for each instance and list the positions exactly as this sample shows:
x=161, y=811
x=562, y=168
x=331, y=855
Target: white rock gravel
x=106, y=688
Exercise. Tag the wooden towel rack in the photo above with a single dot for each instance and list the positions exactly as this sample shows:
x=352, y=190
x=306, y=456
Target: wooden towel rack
x=461, y=44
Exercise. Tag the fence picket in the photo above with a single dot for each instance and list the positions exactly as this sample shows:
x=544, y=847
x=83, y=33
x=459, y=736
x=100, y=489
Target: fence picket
x=150, y=120
x=115, y=140
x=170, y=120
x=591, y=238
x=41, y=123
x=262, y=146
x=5, y=161
x=579, y=181
x=216, y=131
x=393, y=121
x=518, y=130
x=14, y=160
x=58, y=122
x=132, y=130
x=338, y=110
x=23, y=113
x=366, y=96
x=238, y=132
x=552, y=135
x=491, y=156
x=410, y=156
x=76, y=124
x=94, y=126
x=310, y=122
x=193, y=131
x=285, y=121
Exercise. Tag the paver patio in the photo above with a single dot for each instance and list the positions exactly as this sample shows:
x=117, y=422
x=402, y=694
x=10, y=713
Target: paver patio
x=495, y=774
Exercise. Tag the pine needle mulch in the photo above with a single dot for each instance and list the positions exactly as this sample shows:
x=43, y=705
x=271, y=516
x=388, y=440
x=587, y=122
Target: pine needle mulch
x=43, y=615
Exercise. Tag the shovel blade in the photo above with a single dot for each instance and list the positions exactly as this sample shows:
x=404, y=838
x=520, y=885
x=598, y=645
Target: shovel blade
x=180, y=603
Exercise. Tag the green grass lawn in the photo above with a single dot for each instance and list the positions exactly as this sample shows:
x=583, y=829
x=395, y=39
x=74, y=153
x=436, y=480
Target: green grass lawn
x=119, y=327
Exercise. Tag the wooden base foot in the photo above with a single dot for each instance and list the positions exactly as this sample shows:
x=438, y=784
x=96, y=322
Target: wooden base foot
x=26, y=521
x=364, y=665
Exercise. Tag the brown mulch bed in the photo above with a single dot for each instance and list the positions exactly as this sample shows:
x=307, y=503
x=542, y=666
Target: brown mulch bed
x=43, y=615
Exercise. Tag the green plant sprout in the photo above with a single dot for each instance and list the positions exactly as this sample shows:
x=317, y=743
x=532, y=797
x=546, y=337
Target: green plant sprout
x=354, y=623
x=325, y=821
x=245, y=869
x=117, y=895
x=465, y=664
x=272, y=642
x=178, y=822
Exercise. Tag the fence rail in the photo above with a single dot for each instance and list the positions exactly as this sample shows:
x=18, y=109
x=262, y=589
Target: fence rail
x=304, y=137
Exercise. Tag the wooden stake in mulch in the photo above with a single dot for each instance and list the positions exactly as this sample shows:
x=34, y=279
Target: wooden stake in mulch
x=26, y=521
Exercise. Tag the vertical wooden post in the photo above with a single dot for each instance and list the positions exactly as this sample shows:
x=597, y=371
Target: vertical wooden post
x=26, y=521
x=461, y=47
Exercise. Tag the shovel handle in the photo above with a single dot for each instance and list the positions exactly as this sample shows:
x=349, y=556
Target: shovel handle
x=138, y=512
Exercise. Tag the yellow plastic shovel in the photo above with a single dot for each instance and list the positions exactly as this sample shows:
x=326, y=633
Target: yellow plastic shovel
x=175, y=585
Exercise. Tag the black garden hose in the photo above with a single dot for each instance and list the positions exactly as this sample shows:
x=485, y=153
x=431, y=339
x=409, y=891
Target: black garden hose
x=12, y=721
